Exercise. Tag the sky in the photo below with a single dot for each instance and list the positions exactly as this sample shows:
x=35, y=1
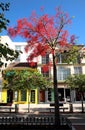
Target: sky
x=23, y=8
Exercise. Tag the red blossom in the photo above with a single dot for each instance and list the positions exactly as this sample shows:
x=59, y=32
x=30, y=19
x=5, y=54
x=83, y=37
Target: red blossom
x=26, y=48
x=72, y=39
x=12, y=32
x=45, y=68
x=43, y=33
x=32, y=64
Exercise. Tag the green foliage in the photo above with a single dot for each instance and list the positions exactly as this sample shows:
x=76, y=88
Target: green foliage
x=3, y=21
x=70, y=82
x=72, y=55
x=76, y=81
x=5, y=51
x=24, y=79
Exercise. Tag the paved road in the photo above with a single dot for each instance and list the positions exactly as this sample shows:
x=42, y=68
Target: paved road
x=77, y=119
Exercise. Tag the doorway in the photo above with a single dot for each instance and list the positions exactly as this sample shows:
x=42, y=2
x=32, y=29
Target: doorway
x=42, y=96
x=9, y=96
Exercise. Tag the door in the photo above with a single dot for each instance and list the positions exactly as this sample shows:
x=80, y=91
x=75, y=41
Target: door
x=9, y=96
x=42, y=96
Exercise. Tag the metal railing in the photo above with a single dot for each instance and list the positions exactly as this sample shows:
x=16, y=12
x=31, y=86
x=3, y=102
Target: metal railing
x=65, y=121
x=33, y=121
x=26, y=121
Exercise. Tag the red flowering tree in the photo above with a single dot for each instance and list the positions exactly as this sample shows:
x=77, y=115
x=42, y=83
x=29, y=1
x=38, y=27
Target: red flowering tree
x=46, y=34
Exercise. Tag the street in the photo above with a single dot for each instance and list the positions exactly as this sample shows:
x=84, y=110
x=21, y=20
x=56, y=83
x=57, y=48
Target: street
x=77, y=119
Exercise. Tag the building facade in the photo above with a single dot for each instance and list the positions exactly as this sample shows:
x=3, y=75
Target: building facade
x=42, y=96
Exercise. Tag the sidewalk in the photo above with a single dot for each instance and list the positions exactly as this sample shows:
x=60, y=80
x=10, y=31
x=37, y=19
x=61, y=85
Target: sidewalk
x=43, y=110
x=45, y=107
x=79, y=127
x=77, y=119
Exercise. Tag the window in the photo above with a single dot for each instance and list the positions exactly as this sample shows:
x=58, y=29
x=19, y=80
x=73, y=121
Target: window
x=78, y=59
x=32, y=96
x=78, y=95
x=16, y=96
x=23, y=95
x=67, y=94
x=49, y=94
x=59, y=58
x=45, y=59
x=45, y=74
x=78, y=70
x=61, y=94
x=63, y=73
x=18, y=48
x=45, y=69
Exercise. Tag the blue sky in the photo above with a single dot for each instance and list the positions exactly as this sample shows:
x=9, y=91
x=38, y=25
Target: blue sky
x=23, y=8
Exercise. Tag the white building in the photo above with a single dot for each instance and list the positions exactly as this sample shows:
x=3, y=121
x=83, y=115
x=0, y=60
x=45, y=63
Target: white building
x=63, y=70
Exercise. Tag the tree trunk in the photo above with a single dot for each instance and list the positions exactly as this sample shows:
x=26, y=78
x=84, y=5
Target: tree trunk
x=56, y=97
x=82, y=102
